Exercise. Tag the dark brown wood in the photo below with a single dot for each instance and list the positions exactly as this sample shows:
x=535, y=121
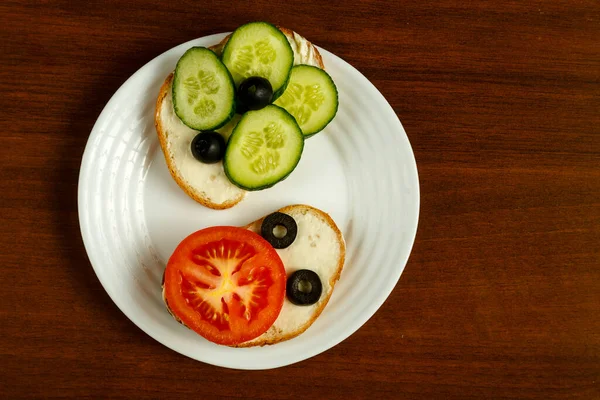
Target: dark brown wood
x=501, y=296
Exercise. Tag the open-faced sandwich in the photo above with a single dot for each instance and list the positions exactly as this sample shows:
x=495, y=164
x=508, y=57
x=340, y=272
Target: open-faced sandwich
x=233, y=118
x=260, y=284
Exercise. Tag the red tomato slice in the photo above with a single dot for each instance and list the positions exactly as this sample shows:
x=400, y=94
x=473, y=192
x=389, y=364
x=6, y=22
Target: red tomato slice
x=225, y=283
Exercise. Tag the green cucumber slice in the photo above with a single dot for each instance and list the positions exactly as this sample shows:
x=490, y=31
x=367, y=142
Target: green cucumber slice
x=311, y=97
x=263, y=149
x=259, y=49
x=203, y=91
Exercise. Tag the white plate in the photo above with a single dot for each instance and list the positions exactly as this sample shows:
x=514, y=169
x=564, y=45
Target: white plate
x=360, y=170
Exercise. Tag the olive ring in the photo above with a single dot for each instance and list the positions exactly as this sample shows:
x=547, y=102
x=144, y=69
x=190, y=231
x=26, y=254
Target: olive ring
x=279, y=219
x=304, y=287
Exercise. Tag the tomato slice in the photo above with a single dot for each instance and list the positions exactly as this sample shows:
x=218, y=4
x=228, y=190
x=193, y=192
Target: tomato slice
x=225, y=283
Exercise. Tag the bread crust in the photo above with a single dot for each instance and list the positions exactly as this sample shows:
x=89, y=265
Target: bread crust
x=162, y=137
x=301, y=329
x=290, y=33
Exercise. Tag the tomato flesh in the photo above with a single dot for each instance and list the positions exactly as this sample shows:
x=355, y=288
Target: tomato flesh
x=225, y=283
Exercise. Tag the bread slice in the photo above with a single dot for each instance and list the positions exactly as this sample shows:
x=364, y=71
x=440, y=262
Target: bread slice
x=320, y=247
x=207, y=183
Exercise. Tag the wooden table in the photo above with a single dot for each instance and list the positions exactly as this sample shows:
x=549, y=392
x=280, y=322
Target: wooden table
x=501, y=296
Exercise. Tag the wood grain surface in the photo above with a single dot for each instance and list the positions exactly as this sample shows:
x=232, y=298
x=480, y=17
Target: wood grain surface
x=501, y=296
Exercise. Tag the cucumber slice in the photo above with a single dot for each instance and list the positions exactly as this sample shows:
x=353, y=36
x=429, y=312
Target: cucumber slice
x=259, y=49
x=311, y=97
x=263, y=149
x=203, y=91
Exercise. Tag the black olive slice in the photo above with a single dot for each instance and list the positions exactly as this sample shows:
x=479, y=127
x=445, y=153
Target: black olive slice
x=275, y=221
x=255, y=93
x=304, y=287
x=208, y=147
